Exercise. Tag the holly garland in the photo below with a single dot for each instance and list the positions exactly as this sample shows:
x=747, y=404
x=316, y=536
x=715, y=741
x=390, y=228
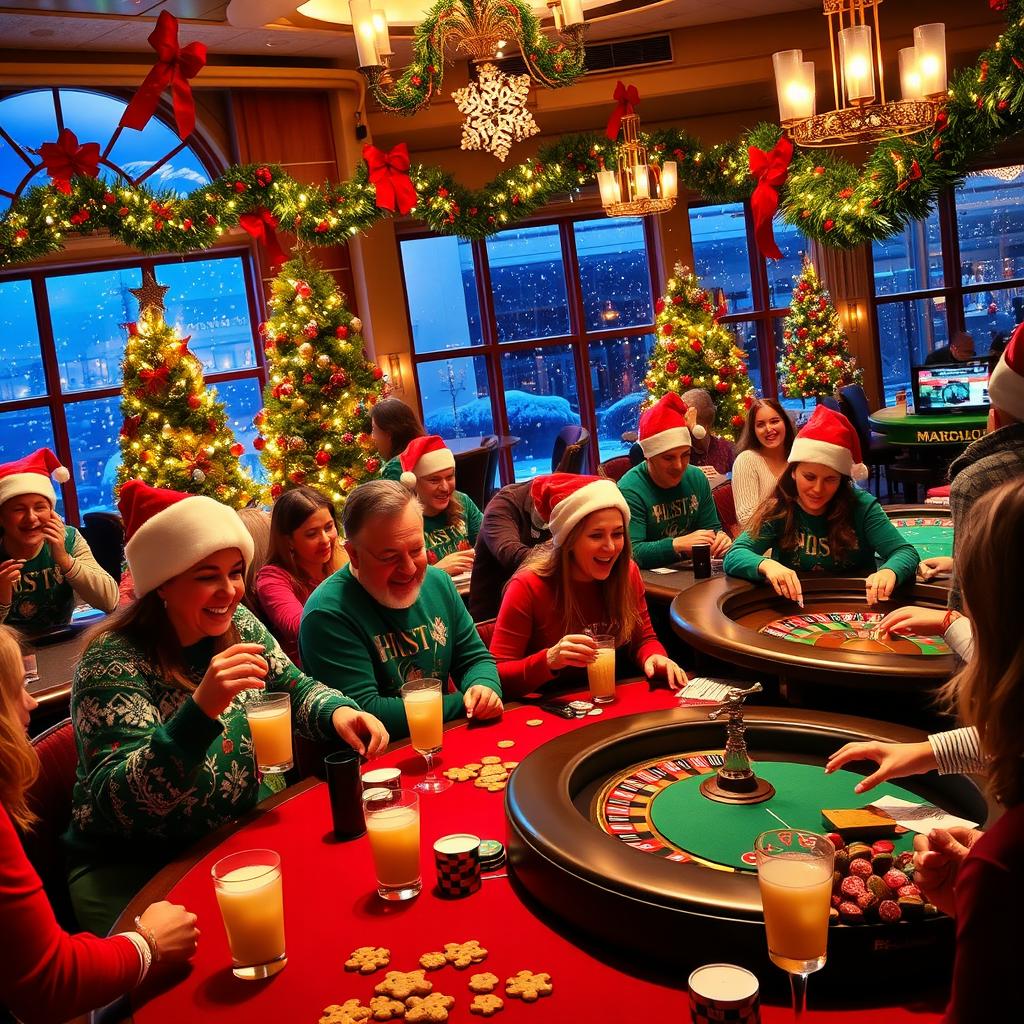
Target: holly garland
x=825, y=196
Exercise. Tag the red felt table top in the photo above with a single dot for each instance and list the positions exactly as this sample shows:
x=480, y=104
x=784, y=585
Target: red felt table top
x=331, y=907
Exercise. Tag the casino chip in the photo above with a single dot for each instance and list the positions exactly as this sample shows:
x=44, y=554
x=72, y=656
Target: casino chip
x=492, y=855
x=535, y=721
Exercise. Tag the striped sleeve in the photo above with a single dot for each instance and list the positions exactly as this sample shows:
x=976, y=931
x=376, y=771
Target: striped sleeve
x=957, y=752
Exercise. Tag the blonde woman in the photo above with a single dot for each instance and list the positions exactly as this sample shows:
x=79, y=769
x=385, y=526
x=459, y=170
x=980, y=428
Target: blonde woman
x=585, y=576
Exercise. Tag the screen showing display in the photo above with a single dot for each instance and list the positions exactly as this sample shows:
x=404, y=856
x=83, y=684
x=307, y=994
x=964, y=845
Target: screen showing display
x=962, y=387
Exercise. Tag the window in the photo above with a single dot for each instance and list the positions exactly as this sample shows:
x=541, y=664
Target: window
x=961, y=269
x=541, y=326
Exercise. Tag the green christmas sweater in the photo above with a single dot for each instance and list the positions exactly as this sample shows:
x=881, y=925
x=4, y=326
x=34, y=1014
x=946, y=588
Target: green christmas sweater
x=155, y=773
x=875, y=534
x=349, y=640
x=392, y=470
x=442, y=539
x=659, y=514
x=45, y=596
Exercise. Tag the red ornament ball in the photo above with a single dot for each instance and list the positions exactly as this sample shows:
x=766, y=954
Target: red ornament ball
x=686, y=379
x=667, y=329
x=347, y=437
x=339, y=379
x=671, y=366
x=677, y=300
x=341, y=332
x=297, y=476
x=377, y=373
x=194, y=401
x=322, y=457
x=802, y=333
x=275, y=490
x=722, y=386
x=373, y=464
x=311, y=330
x=737, y=421
x=829, y=225
x=237, y=450
x=696, y=345
x=670, y=346
x=259, y=443
x=303, y=290
x=659, y=306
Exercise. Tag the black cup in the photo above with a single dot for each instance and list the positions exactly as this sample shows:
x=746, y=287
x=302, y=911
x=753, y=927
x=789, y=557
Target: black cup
x=701, y=561
x=346, y=793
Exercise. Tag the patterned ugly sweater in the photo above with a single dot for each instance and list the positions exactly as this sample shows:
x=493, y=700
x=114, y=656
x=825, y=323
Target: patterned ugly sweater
x=155, y=773
x=443, y=540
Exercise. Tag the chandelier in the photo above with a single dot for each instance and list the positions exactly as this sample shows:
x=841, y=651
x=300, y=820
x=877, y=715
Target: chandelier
x=477, y=29
x=636, y=187
x=862, y=114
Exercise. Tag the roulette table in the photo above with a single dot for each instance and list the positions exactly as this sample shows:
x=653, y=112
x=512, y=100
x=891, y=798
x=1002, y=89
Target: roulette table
x=928, y=527
x=831, y=640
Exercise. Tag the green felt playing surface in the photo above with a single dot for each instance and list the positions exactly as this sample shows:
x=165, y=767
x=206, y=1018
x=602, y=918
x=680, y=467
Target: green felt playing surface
x=930, y=540
x=723, y=833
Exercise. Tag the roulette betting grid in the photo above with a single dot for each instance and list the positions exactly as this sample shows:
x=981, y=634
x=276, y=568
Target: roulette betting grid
x=851, y=631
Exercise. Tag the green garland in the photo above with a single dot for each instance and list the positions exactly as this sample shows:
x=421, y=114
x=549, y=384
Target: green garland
x=826, y=197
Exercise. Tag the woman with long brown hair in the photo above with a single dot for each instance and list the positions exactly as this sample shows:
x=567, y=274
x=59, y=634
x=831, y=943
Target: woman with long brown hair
x=47, y=974
x=817, y=520
x=586, y=575
x=393, y=426
x=761, y=455
x=304, y=551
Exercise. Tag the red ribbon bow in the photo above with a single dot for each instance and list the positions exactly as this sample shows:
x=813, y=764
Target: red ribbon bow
x=65, y=159
x=155, y=380
x=389, y=173
x=261, y=224
x=770, y=169
x=174, y=67
x=627, y=99
x=998, y=5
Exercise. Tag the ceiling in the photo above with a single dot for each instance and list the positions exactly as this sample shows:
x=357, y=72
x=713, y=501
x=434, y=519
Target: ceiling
x=123, y=25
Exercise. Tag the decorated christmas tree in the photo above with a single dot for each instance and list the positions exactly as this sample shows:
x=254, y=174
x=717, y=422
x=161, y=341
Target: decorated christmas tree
x=175, y=432
x=694, y=350
x=816, y=359
x=316, y=417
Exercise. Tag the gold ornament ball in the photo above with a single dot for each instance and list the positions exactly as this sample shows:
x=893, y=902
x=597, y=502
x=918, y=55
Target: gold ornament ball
x=355, y=324
x=299, y=404
x=306, y=351
x=323, y=361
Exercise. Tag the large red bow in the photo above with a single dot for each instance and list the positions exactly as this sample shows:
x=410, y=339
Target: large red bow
x=261, y=224
x=65, y=158
x=389, y=173
x=627, y=99
x=174, y=67
x=770, y=169
x=155, y=380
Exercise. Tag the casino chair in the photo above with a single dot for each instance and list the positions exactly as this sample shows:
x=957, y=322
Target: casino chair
x=486, y=631
x=875, y=450
x=570, y=451
x=615, y=468
x=726, y=506
x=474, y=470
x=104, y=533
x=49, y=797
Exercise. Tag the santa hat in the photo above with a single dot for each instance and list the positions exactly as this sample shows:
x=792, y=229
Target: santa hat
x=668, y=424
x=828, y=437
x=564, y=499
x=423, y=457
x=1006, y=385
x=167, y=532
x=31, y=475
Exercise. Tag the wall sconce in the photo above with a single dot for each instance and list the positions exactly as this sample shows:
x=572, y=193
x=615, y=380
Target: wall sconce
x=395, y=371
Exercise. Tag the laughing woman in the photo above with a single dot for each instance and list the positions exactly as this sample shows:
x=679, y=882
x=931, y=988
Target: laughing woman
x=585, y=576
x=165, y=753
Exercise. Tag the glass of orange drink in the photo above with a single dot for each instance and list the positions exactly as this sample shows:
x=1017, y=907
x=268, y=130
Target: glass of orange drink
x=424, y=713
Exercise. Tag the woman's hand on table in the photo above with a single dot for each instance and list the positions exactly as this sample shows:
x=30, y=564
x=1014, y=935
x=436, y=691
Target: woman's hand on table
x=660, y=665
x=483, y=703
x=937, y=859
x=784, y=581
x=457, y=562
x=913, y=620
x=930, y=567
x=894, y=760
x=10, y=576
x=575, y=650
x=364, y=733
x=720, y=544
x=240, y=667
x=174, y=930
x=879, y=586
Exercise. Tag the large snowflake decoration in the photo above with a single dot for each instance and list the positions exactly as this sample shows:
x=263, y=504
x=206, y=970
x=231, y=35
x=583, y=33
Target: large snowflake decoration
x=495, y=111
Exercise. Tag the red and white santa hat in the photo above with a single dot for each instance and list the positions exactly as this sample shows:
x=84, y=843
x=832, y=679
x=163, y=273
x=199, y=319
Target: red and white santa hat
x=425, y=456
x=563, y=499
x=1006, y=385
x=668, y=424
x=31, y=475
x=828, y=438
x=167, y=532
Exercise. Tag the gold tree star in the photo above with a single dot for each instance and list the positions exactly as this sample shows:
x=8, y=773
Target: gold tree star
x=150, y=295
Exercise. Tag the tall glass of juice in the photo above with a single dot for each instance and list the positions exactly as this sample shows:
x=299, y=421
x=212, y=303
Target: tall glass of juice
x=424, y=713
x=794, y=870
x=393, y=825
x=270, y=722
x=601, y=671
x=251, y=901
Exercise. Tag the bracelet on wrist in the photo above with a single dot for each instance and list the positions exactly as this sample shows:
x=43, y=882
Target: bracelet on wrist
x=147, y=934
x=949, y=618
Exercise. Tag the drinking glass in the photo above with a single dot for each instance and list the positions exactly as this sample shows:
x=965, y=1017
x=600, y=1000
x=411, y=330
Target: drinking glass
x=251, y=901
x=423, y=711
x=393, y=825
x=794, y=870
x=601, y=671
x=270, y=722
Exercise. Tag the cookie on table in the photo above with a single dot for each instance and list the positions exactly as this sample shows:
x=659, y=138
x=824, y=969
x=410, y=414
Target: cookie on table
x=367, y=959
x=433, y=961
x=464, y=954
x=403, y=984
x=386, y=1008
x=490, y=759
x=349, y=1012
x=528, y=986
x=432, y=1009
x=481, y=983
x=458, y=774
x=486, y=1005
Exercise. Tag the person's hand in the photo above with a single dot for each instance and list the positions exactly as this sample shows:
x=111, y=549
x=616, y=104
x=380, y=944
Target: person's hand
x=240, y=667
x=937, y=859
x=894, y=760
x=930, y=567
x=785, y=581
x=53, y=534
x=174, y=930
x=684, y=545
x=913, y=620
x=457, y=562
x=720, y=544
x=10, y=576
x=879, y=586
x=365, y=734
x=658, y=664
x=574, y=650
x=482, y=702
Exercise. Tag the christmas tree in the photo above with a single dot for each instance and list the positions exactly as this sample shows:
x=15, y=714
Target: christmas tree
x=694, y=350
x=175, y=433
x=316, y=417
x=816, y=359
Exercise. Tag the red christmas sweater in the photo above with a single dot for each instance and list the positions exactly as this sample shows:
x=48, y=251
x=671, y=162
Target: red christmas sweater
x=45, y=973
x=529, y=623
